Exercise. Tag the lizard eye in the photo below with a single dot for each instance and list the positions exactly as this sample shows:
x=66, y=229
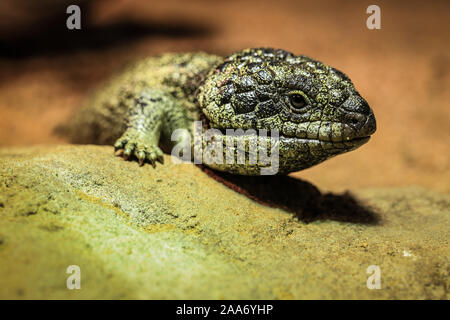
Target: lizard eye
x=297, y=101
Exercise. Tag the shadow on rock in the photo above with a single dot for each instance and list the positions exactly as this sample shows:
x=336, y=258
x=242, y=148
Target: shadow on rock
x=299, y=197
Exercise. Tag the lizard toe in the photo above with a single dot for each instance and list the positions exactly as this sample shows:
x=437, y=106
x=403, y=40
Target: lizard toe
x=120, y=143
x=141, y=156
x=129, y=150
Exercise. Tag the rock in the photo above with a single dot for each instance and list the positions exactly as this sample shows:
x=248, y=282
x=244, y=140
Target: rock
x=175, y=232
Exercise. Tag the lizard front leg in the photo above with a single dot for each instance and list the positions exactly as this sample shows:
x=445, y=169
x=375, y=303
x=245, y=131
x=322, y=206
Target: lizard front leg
x=145, y=120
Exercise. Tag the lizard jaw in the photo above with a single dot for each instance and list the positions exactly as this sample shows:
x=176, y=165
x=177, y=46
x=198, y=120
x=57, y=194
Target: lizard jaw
x=290, y=154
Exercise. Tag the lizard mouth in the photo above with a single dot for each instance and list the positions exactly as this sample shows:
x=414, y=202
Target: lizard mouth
x=340, y=142
x=358, y=140
x=332, y=147
x=346, y=143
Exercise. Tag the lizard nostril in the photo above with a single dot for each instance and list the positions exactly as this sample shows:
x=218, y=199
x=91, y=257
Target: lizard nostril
x=356, y=120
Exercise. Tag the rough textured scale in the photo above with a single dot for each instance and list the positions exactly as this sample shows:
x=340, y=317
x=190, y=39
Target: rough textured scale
x=315, y=108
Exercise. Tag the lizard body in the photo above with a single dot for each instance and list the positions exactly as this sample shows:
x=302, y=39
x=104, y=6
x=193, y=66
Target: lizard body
x=314, y=108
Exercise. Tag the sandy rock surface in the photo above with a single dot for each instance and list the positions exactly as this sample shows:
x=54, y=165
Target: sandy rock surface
x=176, y=232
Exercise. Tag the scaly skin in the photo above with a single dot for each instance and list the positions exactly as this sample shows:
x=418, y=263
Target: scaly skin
x=315, y=108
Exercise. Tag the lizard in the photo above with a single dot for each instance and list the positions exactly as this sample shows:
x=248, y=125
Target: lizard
x=314, y=108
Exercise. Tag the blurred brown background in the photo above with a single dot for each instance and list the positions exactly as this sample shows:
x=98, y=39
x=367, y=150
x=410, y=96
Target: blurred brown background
x=402, y=70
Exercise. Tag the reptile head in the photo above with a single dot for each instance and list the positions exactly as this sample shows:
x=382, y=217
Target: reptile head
x=315, y=108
